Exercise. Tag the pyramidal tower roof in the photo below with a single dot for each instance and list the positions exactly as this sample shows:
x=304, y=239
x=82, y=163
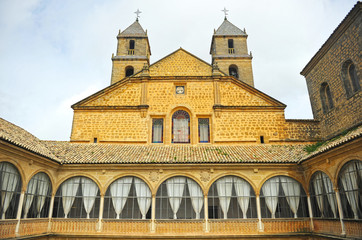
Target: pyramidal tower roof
x=134, y=30
x=228, y=29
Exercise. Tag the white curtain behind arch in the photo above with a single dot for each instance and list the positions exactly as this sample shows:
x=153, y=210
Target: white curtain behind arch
x=196, y=196
x=89, y=192
x=143, y=196
x=181, y=129
x=9, y=181
x=242, y=189
x=175, y=188
x=318, y=189
x=69, y=190
x=271, y=191
x=119, y=190
x=224, y=188
x=291, y=189
x=350, y=185
x=30, y=192
x=42, y=189
x=331, y=196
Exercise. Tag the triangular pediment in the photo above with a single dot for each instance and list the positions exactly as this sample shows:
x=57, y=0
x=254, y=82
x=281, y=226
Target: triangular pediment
x=180, y=63
x=119, y=94
x=127, y=93
x=236, y=93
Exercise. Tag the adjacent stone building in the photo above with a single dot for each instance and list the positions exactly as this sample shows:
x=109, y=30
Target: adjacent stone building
x=184, y=149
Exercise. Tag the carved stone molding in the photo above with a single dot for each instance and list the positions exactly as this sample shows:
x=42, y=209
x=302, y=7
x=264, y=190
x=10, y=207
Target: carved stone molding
x=205, y=176
x=154, y=176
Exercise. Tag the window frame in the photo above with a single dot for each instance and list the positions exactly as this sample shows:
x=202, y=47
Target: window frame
x=163, y=207
x=327, y=210
x=283, y=210
x=346, y=206
x=187, y=116
x=234, y=211
x=350, y=78
x=33, y=213
x=208, y=129
x=77, y=209
x=128, y=68
x=162, y=129
x=326, y=97
x=131, y=209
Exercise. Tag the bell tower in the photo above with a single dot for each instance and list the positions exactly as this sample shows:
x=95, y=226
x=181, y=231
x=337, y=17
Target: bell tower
x=230, y=52
x=133, y=52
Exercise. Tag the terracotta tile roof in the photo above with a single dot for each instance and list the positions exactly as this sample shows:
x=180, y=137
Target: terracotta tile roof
x=335, y=142
x=112, y=153
x=88, y=153
x=22, y=138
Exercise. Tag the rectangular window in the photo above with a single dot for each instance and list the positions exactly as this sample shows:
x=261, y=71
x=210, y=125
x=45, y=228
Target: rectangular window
x=157, y=130
x=204, y=130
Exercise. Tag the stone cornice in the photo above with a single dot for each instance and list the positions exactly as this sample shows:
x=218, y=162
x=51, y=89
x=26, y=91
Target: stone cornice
x=137, y=107
x=243, y=108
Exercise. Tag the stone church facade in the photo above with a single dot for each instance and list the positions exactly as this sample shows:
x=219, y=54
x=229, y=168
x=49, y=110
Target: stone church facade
x=185, y=149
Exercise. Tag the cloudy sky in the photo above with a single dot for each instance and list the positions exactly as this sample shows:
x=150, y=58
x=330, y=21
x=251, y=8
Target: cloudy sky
x=55, y=53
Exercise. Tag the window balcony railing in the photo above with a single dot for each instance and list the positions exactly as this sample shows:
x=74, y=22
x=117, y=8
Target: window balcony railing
x=231, y=50
x=130, y=51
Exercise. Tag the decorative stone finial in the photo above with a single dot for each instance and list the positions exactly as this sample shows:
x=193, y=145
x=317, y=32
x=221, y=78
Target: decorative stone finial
x=138, y=12
x=145, y=71
x=225, y=12
x=215, y=70
x=215, y=66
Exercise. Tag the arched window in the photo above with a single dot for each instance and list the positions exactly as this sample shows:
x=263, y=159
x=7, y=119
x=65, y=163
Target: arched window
x=128, y=198
x=131, y=47
x=231, y=197
x=326, y=97
x=129, y=71
x=350, y=189
x=131, y=44
x=323, y=197
x=179, y=198
x=37, y=197
x=10, y=183
x=231, y=46
x=181, y=127
x=233, y=71
x=77, y=197
x=350, y=78
x=283, y=197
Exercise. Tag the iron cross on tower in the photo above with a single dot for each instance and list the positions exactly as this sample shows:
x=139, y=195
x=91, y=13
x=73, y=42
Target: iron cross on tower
x=225, y=12
x=137, y=13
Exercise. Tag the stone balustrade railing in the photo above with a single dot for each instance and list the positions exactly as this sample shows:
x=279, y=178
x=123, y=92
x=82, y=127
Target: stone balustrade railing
x=211, y=227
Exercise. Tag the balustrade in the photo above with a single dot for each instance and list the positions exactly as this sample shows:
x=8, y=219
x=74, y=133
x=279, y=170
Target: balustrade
x=115, y=226
x=353, y=228
x=180, y=227
x=7, y=228
x=233, y=226
x=74, y=225
x=33, y=226
x=286, y=225
x=329, y=226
